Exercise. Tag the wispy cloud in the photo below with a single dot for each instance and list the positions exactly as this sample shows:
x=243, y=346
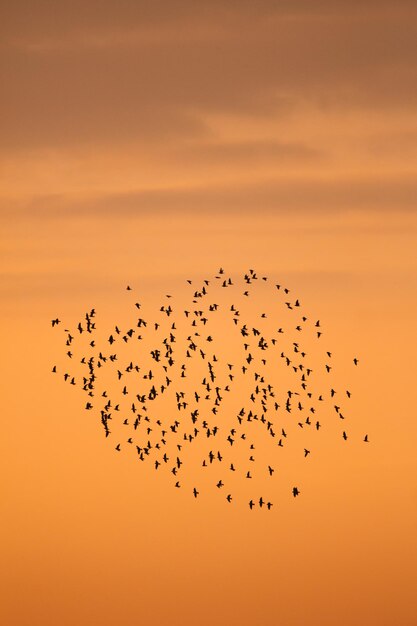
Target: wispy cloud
x=267, y=197
x=133, y=87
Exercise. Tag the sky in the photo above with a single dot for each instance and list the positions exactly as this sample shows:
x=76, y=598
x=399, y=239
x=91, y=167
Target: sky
x=147, y=143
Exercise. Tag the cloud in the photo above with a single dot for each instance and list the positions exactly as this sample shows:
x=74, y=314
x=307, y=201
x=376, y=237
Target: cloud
x=242, y=153
x=113, y=82
x=24, y=21
x=284, y=197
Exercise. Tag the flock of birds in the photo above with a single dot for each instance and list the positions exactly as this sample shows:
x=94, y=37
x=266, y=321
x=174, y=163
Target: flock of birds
x=212, y=378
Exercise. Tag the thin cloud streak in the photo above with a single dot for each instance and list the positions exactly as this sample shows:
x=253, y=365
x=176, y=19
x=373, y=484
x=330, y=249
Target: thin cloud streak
x=75, y=17
x=268, y=197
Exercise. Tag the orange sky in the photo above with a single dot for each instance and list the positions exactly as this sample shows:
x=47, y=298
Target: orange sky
x=148, y=143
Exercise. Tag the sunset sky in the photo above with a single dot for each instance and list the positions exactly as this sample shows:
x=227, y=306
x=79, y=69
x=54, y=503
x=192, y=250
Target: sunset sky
x=146, y=143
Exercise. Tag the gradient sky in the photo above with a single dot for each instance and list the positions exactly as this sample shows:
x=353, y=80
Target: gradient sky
x=147, y=143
